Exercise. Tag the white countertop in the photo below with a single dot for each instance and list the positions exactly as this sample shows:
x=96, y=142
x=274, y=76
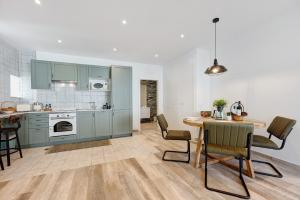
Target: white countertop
x=2, y=116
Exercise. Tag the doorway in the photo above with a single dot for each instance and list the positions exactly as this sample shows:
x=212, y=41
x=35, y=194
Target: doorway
x=148, y=99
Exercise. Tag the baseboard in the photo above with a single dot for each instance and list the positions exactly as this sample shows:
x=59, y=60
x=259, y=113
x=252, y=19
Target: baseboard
x=283, y=162
x=135, y=130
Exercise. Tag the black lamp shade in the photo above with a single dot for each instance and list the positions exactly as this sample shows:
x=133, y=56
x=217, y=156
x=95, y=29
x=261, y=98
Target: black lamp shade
x=215, y=69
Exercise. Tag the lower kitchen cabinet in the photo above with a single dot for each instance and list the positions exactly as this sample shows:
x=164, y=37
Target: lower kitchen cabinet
x=85, y=124
x=38, y=136
x=103, y=125
x=122, y=123
x=23, y=131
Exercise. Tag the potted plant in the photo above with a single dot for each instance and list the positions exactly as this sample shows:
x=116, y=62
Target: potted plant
x=220, y=104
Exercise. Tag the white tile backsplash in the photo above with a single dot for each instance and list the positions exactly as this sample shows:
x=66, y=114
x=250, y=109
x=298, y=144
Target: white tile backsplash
x=61, y=96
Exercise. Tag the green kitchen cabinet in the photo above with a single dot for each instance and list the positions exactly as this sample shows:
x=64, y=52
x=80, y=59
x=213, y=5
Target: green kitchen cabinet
x=23, y=132
x=38, y=136
x=38, y=128
x=40, y=74
x=122, y=101
x=82, y=77
x=85, y=124
x=99, y=72
x=103, y=125
x=64, y=72
x=121, y=88
x=122, y=123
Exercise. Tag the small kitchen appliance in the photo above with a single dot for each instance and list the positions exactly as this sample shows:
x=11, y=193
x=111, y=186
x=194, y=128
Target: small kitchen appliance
x=99, y=85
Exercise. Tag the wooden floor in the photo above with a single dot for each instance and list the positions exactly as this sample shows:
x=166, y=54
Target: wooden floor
x=131, y=168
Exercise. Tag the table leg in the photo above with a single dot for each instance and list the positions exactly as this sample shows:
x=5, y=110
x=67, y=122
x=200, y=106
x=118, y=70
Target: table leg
x=199, y=148
x=250, y=169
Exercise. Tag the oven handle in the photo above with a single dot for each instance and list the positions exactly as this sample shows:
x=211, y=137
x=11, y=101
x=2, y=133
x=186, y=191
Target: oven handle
x=55, y=118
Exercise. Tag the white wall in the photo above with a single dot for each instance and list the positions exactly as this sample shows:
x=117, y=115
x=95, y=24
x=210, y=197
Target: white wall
x=139, y=72
x=264, y=73
x=186, y=88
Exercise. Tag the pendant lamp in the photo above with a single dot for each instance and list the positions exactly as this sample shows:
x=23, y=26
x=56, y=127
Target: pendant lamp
x=216, y=69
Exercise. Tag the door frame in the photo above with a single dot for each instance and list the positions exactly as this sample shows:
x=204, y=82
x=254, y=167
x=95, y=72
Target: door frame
x=157, y=100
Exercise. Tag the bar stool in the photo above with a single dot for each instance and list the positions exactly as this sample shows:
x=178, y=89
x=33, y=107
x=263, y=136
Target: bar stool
x=1, y=163
x=8, y=134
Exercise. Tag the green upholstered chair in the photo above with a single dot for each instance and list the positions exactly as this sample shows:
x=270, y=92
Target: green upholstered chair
x=174, y=135
x=279, y=128
x=233, y=139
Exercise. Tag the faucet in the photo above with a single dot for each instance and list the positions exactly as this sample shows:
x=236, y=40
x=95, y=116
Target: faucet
x=93, y=105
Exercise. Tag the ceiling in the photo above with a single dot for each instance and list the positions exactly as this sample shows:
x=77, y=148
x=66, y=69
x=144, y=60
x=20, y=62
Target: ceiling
x=94, y=27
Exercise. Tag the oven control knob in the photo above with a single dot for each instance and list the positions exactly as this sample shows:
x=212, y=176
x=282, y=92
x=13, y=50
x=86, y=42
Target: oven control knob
x=57, y=115
x=67, y=115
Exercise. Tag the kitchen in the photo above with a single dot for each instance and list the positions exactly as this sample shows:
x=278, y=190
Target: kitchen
x=123, y=100
x=73, y=119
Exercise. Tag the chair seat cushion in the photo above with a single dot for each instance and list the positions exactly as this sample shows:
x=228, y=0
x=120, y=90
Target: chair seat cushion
x=178, y=135
x=227, y=150
x=264, y=142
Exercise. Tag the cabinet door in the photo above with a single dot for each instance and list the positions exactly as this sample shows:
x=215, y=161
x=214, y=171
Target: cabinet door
x=121, y=88
x=23, y=132
x=82, y=77
x=40, y=74
x=122, y=123
x=38, y=135
x=97, y=72
x=64, y=72
x=103, y=123
x=85, y=124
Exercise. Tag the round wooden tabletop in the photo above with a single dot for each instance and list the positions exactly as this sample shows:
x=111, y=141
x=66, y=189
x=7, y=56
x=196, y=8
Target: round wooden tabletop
x=198, y=121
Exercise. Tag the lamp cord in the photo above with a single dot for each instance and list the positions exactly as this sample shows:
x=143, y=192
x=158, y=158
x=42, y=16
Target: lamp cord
x=215, y=40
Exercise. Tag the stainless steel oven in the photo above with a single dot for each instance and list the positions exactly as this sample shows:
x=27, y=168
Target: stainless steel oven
x=62, y=124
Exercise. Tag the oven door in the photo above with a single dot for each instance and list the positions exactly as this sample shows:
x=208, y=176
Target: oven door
x=62, y=127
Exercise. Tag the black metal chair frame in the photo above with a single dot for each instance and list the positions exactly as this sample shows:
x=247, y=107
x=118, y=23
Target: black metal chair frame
x=7, y=131
x=1, y=163
x=183, y=152
x=278, y=174
x=241, y=160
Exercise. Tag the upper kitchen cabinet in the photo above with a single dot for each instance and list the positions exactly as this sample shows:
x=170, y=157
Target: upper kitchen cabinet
x=40, y=74
x=97, y=72
x=82, y=77
x=121, y=87
x=64, y=72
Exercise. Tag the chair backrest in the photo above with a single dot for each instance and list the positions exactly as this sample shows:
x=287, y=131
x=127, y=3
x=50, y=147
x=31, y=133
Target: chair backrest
x=228, y=134
x=162, y=123
x=281, y=127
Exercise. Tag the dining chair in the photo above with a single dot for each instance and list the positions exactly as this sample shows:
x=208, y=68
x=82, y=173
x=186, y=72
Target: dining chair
x=230, y=139
x=280, y=128
x=174, y=135
x=8, y=134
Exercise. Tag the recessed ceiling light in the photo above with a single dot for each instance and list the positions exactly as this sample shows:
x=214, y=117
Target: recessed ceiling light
x=181, y=35
x=37, y=2
x=156, y=55
x=124, y=21
x=115, y=49
x=59, y=41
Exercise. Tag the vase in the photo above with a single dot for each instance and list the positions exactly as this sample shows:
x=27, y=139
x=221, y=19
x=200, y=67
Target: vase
x=220, y=114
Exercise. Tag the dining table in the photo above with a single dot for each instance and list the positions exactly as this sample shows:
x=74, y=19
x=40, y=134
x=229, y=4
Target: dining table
x=198, y=122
